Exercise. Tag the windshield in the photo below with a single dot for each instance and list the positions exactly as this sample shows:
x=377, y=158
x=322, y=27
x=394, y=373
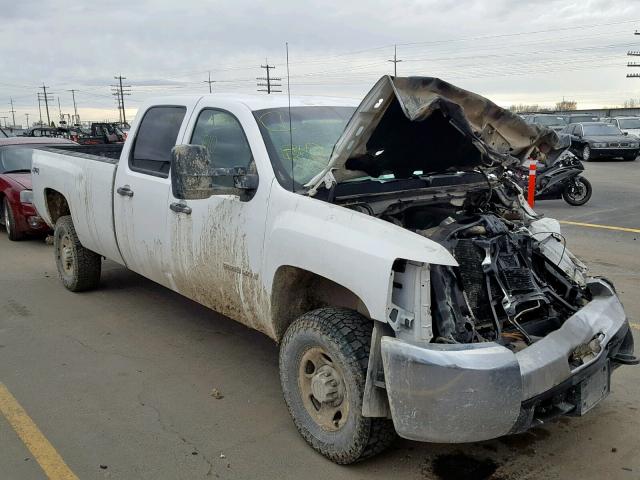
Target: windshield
x=601, y=129
x=630, y=123
x=583, y=118
x=15, y=158
x=549, y=121
x=314, y=132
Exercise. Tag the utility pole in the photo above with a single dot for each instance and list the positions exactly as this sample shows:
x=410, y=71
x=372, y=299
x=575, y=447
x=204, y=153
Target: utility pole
x=39, y=108
x=60, y=111
x=120, y=92
x=271, y=82
x=395, y=61
x=209, y=82
x=46, y=103
x=632, y=53
x=13, y=112
x=75, y=108
x=27, y=115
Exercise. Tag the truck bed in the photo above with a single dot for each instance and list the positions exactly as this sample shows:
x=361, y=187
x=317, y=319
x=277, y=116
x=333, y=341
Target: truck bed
x=84, y=175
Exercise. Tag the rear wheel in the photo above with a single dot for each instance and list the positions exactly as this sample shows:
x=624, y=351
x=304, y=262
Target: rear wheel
x=10, y=222
x=78, y=267
x=578, y=192
x=323, y=365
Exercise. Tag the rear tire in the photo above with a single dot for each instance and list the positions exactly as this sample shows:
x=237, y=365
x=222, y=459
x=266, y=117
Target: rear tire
x=323, y=366
x=577, y=192
x=10, y=222
x=78, y=268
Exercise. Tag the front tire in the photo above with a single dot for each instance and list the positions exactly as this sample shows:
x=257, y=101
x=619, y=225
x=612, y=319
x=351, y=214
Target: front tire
x=78, y=268
x=10, y=222
x=586, y=153
x=323, y=365
x=578, y=192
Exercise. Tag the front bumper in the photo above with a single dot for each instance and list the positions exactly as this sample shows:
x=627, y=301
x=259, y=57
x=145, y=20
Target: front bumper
x=473, y=392
x=613, y=152
x=28, y=221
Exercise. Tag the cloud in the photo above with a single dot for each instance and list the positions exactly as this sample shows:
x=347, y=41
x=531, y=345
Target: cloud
x=486, y=46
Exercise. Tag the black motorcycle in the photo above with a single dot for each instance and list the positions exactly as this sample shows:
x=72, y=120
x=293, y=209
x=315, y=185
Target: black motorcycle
x=560, y=180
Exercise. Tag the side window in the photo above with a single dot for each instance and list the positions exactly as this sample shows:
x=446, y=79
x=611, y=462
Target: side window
x=155, y=138
x=225, y=140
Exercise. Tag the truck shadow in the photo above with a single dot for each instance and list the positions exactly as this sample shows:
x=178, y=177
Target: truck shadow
x=196, y=331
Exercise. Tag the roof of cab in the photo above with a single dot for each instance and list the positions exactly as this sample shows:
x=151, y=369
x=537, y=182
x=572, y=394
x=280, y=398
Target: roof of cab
x=260, y=102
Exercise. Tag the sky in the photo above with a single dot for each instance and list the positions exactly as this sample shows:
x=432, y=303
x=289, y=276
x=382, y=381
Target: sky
x=512, y=51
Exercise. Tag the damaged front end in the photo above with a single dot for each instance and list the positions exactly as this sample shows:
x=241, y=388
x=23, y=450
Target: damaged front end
x=517, y=332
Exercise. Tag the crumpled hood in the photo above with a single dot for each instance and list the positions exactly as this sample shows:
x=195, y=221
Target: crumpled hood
x=408, y=124
x=23, y=179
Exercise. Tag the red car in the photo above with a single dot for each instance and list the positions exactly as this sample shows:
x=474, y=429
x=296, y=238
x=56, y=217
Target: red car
x=17, y=213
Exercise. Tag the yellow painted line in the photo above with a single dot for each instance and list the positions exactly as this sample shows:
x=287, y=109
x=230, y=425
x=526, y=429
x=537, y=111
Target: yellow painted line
x=605, y=227
x=47, y=457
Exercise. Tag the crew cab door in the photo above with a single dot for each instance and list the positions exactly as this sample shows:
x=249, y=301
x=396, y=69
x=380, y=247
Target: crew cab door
x=217, y=243
x=141, y=189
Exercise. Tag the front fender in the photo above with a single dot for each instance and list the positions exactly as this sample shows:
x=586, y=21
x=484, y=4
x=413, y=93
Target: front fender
x=350, y=248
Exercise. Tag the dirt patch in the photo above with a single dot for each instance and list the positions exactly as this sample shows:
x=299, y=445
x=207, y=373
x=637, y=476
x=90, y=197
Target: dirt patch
x=458, y=466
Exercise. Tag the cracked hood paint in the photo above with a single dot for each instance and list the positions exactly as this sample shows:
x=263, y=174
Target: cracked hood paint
x=424, y=124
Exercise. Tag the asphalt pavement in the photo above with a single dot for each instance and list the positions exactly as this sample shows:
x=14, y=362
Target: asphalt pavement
x=118, y=383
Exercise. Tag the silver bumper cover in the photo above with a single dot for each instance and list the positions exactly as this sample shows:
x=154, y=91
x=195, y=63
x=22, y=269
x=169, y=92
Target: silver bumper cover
x=473, y=392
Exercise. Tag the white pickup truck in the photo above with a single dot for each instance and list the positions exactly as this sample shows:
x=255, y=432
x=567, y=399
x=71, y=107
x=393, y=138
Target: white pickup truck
x=382, y=244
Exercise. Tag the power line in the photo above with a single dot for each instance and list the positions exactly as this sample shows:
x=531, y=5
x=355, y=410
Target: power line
x=271, y=82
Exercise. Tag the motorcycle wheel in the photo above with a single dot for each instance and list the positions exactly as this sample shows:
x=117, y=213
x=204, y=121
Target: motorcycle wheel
x=578, y=192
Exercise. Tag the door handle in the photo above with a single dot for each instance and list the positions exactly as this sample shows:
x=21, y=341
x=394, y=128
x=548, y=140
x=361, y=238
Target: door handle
x=180, y=208
x=125, y=191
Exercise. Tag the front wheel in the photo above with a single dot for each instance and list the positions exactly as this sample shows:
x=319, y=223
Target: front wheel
x=577, y=192
x=79, y=268
x=323, y=365
x=586, y=153
x=10, y=222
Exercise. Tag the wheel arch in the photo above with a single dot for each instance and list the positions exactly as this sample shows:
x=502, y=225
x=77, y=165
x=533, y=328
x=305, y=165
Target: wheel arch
x=297, y=291
x=56, y=204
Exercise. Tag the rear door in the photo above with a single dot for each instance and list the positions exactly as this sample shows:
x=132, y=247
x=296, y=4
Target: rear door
x=141, y=190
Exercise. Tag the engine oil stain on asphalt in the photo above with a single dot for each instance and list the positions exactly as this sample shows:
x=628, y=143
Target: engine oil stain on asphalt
x=458, y=466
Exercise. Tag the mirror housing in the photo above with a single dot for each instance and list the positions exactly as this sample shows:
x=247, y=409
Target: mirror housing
x=193, y=175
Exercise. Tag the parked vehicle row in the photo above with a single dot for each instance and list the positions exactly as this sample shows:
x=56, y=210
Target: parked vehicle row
x=593, y=140
x=384, y=245
x=574, y=124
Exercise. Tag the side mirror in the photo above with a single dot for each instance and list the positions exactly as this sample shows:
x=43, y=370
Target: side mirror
x=193, y=176
x=625, y=133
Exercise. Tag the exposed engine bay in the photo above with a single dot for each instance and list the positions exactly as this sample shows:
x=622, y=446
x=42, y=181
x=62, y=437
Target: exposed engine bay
x=516, y=281
x=437, y=160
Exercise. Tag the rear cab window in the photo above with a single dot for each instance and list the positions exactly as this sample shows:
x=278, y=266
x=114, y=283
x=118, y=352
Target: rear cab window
x=156, y=136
